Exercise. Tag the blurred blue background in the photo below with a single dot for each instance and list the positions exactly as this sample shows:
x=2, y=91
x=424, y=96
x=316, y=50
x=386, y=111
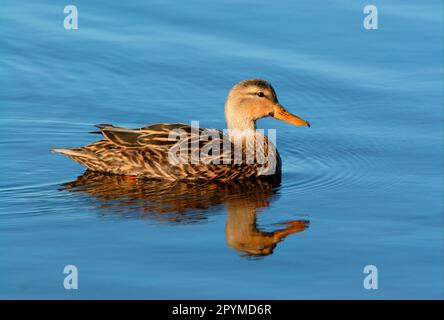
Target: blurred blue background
x=368, y=175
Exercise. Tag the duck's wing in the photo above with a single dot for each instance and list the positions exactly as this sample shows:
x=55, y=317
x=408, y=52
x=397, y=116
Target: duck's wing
x=160, y=135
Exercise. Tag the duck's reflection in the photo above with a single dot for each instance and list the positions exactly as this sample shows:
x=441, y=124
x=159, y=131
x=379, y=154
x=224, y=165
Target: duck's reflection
x=185, y=202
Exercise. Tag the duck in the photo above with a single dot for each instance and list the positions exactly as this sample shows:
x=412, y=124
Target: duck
x=178, y=151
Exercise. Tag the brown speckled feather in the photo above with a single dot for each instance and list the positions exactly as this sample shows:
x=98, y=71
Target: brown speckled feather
x=144, y=152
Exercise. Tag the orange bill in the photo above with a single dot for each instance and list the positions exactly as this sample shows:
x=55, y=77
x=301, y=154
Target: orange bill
x=281, y=113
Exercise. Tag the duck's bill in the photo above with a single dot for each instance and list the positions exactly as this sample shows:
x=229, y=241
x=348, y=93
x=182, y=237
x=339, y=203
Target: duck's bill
x=281, y=113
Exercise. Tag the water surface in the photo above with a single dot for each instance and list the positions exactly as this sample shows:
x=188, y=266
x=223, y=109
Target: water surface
x=362, y=186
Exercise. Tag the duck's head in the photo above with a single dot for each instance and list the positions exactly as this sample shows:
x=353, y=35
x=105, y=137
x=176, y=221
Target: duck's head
x=250, y=100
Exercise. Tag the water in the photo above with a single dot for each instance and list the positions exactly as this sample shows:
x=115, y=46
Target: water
x=362, y=186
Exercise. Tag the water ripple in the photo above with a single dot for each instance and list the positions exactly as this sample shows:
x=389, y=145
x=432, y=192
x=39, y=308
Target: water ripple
x=325, y=165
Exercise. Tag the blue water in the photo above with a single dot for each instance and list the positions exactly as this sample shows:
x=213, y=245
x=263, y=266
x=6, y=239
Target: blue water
x=364, y=184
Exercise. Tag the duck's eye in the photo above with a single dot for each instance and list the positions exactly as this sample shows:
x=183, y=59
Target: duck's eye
x=260, y=94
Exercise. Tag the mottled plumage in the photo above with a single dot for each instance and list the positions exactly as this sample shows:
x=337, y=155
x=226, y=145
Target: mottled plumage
x=144, y=152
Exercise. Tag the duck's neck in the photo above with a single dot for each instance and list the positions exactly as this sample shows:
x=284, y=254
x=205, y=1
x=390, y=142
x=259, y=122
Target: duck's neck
x=240, y=123
x=240, y=126
x=244, y=131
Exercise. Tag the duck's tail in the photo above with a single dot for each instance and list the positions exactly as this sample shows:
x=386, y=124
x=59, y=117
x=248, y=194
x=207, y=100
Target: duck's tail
x=76, y=152
x=83, y=157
